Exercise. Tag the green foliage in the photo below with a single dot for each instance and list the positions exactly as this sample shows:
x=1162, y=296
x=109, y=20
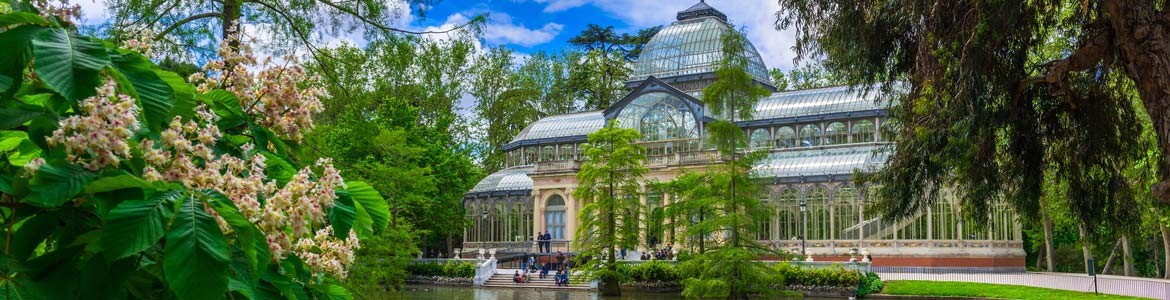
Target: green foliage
x=988, y=105
x=449, y=269
x=870, y=284
x=653, y=271
x=104, y=230
x=834, y=276
x=608, y=182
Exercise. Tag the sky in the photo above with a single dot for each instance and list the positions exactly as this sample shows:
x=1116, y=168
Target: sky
x=527, y=26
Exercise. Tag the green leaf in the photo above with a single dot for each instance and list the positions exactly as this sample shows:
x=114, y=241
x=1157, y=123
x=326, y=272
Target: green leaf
x=196, y=256
x=57, y=182
x=184, y=93
x=26, y=152
x=369, y=199
x=103, y=279
x=114, y=183
x=251, y=241
x=341, y=216
x=10, y=139
x=336, y=292
x=31, y=233
x=68, y=63
x=155, y=95
x=227, y=106
x=14, y=56
x=22, y=18
x=276, y=167
x=11, y=117
x=135, y=225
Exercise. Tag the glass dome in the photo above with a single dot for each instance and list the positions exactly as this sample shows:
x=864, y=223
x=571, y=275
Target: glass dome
x=691, y=46
x=659, y=116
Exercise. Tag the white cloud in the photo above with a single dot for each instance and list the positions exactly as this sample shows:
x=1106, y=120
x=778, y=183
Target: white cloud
x=501, y=29
x=561, y=5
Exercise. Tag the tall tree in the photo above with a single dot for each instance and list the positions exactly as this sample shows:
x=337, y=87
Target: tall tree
x=609, y=183
x=599, y=74
x=730, y=268
x=982, y=111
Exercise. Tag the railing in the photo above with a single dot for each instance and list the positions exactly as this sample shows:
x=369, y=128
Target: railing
x=441, y=260
x=484, y=271
x=895, y=244
x=558, y=166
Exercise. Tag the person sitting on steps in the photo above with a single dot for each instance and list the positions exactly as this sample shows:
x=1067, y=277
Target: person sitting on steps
x=516, y=278
x=544, y=270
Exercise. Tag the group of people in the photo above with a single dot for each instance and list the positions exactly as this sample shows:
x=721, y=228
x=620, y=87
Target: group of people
x=544, y=242
x=660, y=254
x=561, y=278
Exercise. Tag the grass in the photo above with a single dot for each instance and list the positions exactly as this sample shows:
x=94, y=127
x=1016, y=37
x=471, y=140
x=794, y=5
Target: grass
x=985, y=290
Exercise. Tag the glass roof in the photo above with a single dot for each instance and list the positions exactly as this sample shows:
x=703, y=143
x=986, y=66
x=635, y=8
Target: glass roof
x=815, y=102
x=816, y=162
x=562, y=126
x=691, y=46
x=510, y=179
x=659, y=116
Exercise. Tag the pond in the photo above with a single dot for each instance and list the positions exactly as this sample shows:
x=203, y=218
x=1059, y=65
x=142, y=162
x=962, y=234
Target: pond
x=429, y=292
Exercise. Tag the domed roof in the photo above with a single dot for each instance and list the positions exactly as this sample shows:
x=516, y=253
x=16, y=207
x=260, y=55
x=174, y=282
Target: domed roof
x=692, y=45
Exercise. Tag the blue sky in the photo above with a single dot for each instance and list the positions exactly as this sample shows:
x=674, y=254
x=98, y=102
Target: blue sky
x=532, y=25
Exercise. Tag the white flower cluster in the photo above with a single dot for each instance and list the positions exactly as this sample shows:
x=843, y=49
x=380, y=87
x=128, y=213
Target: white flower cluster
x=274, y=94
x=185, y=155
x=141, y=41
x=99, y=136
x=63, y=10
x=326, y=254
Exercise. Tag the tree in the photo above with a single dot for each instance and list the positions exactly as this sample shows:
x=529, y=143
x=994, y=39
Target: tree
x=609, y=183
x=983, y=108
x=123, y=180
x=377, y=132
x=600, y=72
x=730, y=268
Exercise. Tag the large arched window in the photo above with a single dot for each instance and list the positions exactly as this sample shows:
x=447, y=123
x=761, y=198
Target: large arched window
x=818, y=213
x=863, y=131
x=565, y=152
x=836, y=133
x=810, y=135
x=554, y=217
x=785, y=137
x=530, y=155
x=660, y=116
x=761, y=138
x=845, y=213
x=548, y=153
x=788, y=212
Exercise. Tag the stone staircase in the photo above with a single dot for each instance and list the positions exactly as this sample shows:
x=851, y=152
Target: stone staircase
x=503, y=279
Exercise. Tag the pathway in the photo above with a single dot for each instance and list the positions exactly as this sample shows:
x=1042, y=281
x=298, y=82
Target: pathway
x=503, y=278
x=1106, y=284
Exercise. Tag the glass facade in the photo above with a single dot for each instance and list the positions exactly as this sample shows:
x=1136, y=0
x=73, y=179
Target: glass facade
x=691, y=47
x=658, y=117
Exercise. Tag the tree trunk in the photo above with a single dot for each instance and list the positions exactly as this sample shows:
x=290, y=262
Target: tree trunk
x=1141, y=35
x=1112, y=255
x=1085, y=248
x=1127, y=259
x=1049, y=257
x=1166, y=251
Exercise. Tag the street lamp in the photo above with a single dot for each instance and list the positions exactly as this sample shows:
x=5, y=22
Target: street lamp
x=803, y=225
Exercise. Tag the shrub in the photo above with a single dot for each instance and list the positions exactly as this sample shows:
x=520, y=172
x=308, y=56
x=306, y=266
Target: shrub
x=870, y=284
x=834, y=276
x=459, y=270
x=653, y=271
x=425, y=269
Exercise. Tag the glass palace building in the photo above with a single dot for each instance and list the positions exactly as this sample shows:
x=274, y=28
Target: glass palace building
x=816, y=139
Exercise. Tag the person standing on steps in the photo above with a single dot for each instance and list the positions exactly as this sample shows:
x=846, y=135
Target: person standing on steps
x=560, y=260
x=548, y=242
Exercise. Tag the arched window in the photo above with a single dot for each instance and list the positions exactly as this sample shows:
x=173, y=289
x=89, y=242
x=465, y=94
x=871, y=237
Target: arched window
x=761, y=138
x=788, y=212
x=554, y=217
x=548, y=153
x=818, y=213
x=530, y=156
x=785, y=137
x=943, y=220
x=565, y=152
x=863, y=131
x=810, y=135
x=845, y=213
x=659, y=116
x=836, y=133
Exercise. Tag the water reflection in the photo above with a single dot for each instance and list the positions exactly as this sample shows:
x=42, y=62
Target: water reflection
x=426, y=292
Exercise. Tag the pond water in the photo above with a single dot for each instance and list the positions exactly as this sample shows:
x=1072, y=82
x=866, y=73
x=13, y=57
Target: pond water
x=428, y=292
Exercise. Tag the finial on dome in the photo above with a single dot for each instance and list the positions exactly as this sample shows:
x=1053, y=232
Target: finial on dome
x=700, y=10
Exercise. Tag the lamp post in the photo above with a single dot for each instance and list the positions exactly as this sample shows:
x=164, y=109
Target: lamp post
x=804, y=226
